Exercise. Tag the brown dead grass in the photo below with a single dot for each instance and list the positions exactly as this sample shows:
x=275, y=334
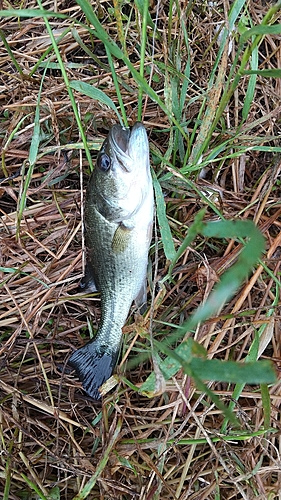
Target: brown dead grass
x=170, y=446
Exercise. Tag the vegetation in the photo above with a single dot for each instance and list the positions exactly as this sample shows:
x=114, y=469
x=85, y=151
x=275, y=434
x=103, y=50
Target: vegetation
x=194, y=408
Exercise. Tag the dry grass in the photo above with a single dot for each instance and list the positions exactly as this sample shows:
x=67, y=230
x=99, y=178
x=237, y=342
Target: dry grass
x=53, y=440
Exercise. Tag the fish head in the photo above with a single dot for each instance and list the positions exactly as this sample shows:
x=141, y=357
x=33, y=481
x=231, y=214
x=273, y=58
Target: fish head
x=122, y=177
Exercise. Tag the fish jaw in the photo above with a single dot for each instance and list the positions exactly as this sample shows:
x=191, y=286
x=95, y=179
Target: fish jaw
x=94, y=364
x=129, y=148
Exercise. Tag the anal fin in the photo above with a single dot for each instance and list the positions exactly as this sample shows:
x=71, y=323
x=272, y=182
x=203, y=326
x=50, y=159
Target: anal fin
x=88, y=283
x=141, y=298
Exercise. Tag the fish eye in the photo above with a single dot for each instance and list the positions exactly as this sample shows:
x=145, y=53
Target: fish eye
x=103, y=162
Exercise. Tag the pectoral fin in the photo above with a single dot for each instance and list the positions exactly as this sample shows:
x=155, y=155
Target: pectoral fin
x=121, y=238
x=87, y=283
x=140, y=299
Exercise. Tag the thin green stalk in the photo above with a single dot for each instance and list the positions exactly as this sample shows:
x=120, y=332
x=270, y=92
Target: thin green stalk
x=47, y=52
x=34, y=146
x=266, y=404
x=101, y=33
x=233, y=436
x=234, y=13
x=117, y=52
x=254, y=62
x=252, y=356
x=257, y=33
x=34, y=487
x=117, y=88
x=8, y=141
x=101, y=465
x=69, y=90
x=10, y=52
x=118, y=16
x=245, y=59
x=142, y=54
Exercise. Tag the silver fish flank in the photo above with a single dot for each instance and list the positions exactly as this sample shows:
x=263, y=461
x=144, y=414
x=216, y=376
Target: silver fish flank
x=118, y=226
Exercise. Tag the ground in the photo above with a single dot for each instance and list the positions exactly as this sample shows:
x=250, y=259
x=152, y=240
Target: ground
x=214, y=132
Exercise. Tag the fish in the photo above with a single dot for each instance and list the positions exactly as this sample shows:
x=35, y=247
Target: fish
x=118, y=221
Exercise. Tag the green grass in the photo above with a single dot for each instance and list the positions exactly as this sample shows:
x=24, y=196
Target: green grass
x=217, y=98
x=216, y=136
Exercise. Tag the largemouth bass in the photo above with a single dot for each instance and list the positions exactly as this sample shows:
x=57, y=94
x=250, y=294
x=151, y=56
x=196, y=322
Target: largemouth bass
x=118, y=226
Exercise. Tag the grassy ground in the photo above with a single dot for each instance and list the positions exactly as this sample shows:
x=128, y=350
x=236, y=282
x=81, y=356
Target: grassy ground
x=204, y=78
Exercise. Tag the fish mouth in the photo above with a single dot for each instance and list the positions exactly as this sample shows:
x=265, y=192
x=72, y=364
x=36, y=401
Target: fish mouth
x=119, y=138
x=128, y=144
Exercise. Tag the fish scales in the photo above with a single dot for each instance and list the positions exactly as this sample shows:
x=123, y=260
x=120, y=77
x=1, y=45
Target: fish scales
x=118, y=225
x=119, y=276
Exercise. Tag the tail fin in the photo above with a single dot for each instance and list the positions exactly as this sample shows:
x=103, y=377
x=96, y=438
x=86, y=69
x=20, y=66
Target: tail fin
x=93, y=365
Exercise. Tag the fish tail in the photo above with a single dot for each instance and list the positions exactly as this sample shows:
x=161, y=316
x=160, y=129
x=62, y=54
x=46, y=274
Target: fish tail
x=94, y=365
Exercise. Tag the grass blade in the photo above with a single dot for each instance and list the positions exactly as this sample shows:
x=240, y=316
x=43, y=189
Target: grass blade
x=70, y=93
x=117, y=52
x=101, y=465
x=33, y=151
x=95, y=93
x=166, y=235
x=229, y=283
